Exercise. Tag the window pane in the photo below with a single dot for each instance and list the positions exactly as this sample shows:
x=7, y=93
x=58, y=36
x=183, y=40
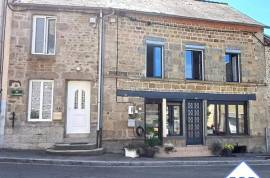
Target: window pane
x=35, y=100
x=197, y=65
x=193, y=66
x=241, y=117
x=211, y=119
x=235, y=68
x=232, y=120
x=154, y=61
x=157, y=61
x=47, y=100
x=228, y=68
x=152, y=120
x=51, y=36
x=83, y=99
x=176, y=120
x=232, y=67
x=39, y=40
x=76, y=99
x=221, y=120
x=188, y=66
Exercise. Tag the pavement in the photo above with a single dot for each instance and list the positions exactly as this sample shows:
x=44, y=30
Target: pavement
x=114, y=160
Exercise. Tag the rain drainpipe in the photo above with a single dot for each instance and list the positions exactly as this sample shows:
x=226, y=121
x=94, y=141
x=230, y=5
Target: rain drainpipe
x=100, y=80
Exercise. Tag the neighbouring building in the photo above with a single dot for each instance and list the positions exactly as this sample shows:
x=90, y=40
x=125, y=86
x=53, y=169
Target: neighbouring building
x=267, y=57
x=184, y=72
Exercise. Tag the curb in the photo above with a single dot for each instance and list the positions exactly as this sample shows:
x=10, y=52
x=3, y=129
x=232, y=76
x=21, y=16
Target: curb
x=126, y=163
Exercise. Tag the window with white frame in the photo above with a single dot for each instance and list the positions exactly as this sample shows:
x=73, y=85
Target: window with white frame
x=43, y=38
x=40, y=105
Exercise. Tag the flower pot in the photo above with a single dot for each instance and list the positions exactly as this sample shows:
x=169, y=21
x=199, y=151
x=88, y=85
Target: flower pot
x=131, y=153
x=227, y=153
x=149, y=152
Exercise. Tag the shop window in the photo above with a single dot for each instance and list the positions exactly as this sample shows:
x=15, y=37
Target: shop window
x=227, y=118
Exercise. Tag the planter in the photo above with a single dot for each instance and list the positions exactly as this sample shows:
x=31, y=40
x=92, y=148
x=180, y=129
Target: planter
x=240, y=149
x=227, y=153
x=131, y=153
x=149, y=152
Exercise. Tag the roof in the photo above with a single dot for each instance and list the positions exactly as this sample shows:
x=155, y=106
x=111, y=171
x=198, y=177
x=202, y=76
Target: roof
x=180, y=8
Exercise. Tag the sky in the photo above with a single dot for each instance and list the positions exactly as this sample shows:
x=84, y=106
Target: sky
x=257, y=9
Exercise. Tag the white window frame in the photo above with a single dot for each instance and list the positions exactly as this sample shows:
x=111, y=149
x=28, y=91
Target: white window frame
x=46, y=19
x=41, y=101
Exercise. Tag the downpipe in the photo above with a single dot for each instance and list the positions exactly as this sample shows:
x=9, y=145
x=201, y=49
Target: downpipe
x=100, y=80
x=101, y=76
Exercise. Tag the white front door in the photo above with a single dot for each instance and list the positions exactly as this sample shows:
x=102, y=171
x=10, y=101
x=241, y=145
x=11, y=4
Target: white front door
x=78, y=107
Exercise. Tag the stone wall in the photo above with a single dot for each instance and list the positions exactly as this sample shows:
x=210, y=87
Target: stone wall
x=267, y=56
x=76, y=46
x=126, y=60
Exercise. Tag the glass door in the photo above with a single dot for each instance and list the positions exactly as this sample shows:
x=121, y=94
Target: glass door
x=174, y=120
x=153, y=121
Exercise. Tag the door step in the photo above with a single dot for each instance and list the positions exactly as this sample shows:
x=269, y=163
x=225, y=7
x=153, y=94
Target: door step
x=75, y=149
x=80, y=138
x=188, y=151
x=93, y=152
x=74, y=146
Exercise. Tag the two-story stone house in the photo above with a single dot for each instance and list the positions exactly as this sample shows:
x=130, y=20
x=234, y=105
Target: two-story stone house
x=186, y=72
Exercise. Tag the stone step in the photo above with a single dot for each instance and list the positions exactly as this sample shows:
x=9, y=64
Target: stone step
x=80, y=138
x=92, y=152
x=188, y=151
x=74, y=146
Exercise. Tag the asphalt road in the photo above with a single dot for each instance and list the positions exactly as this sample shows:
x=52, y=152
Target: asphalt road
x=10, y=170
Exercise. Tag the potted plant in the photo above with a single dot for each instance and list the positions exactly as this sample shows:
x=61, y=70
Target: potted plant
x=131, y=151
x=150, y=147
x=228, y=149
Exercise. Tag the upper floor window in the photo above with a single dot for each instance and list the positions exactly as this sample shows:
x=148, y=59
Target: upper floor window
x=43, y=37
x=40, y=104
x=232, y=67
x=154, y=61
x=194, y=64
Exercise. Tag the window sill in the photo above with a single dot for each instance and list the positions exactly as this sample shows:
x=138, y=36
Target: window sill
x=153, y=78
x=228, y=136
x=43, y=56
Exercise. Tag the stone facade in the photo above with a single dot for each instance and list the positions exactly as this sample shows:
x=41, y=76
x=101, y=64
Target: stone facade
x=125, y=61
x=77, y=46
x=267, y=57
x=128, y=73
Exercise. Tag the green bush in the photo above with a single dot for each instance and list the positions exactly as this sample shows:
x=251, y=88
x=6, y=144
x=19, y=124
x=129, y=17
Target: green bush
x=229, y=147
x=152, y=141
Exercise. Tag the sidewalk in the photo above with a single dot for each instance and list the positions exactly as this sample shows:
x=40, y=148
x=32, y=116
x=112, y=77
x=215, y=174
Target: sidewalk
x=41, y=157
